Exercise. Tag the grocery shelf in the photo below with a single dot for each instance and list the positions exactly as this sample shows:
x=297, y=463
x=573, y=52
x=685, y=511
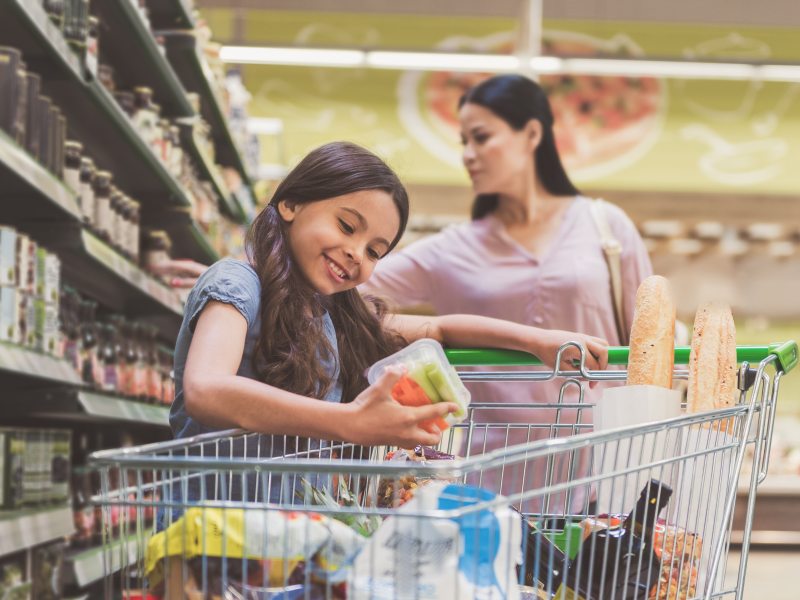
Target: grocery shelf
x=188, y=238
x=97, y=270
x=94, y=117
x=170, y=14
x=44, y=195
x=210, y=172
x=36, y=367
x=774, y=519
x=84, y=567
x=74, y=404
x=123, y=30
x=194, y=72
x=23, y=529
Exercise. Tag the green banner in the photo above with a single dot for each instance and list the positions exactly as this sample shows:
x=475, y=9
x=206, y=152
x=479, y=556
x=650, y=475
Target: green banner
x=613, y=132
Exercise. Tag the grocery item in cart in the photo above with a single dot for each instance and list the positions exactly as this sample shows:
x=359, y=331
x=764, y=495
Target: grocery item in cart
x=652, y=346
x=274, y=544
x=472, y=555
x=396, y=491
x=712, y=363
x=619, y=562
x=429, y=378
x=646, y=398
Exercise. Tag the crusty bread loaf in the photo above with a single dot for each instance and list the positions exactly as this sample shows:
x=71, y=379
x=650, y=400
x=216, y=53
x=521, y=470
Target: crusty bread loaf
x=652, y=346
x=712, y=362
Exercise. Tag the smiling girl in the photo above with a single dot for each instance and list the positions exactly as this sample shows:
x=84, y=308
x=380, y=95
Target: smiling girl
x=280, y=344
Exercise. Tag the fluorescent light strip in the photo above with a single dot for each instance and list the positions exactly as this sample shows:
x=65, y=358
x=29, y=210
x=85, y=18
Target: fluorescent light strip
x=502, y=63
x=440, y=61
x=307, y=57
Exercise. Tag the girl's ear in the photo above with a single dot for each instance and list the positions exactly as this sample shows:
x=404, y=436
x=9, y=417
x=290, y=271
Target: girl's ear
x=287, y=210
x=533, y=130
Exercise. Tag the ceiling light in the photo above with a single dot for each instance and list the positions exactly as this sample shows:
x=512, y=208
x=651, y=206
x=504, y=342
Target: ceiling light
x=503, y=63
x=441, y=61
x=311, y=57
x=659, y=68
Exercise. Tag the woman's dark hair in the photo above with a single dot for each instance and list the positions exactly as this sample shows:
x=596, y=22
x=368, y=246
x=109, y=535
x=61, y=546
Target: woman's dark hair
x=517, y=100
x=292, y=347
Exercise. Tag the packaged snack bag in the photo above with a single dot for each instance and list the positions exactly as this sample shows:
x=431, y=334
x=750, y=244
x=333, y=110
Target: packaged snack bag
x=429, y=378
x=461, y=552
x=394, y=492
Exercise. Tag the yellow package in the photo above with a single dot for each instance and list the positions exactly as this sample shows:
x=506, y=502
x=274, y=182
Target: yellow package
x=282, y=538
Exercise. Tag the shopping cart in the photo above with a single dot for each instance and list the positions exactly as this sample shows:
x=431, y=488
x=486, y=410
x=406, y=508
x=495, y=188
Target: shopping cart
x=237, y=515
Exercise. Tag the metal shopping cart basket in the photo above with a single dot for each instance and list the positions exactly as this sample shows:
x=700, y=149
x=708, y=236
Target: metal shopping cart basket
x=516, y=513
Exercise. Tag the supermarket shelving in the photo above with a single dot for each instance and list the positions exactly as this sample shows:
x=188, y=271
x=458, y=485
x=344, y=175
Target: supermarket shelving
x=85, y=567
x=94, y=117
x=150, y=68
x=210, y=171
x=23, y=529
x=36, y=191
x=195, y=73
x=99, y=271
x=170, y=14
x=34, y=367
x=74, y=404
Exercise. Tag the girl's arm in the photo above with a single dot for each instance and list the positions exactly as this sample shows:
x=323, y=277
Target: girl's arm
x=486, y=332
x=217, y=397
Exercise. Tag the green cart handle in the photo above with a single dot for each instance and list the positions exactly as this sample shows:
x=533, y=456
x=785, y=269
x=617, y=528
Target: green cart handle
x=786, y=355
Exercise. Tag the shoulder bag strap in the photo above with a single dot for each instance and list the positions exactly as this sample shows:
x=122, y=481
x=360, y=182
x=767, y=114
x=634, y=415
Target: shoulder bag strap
x=612, y=250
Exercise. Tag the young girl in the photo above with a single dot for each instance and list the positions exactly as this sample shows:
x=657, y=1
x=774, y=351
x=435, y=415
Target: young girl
x=280, y=345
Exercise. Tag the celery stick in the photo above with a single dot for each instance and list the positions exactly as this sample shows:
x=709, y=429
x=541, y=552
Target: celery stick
x=419, y=375
x=443, y=386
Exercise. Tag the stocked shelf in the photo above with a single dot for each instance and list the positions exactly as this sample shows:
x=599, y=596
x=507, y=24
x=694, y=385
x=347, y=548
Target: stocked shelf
x=86, y=566
x=94, y=117
x=210, y=171
x=73, y=404
x=22, y=529
x=188, y=239
x=37, y=192
x=170, y=14
x=96, y=269
x=194, y=72
x=36, y=367
x=122, y=29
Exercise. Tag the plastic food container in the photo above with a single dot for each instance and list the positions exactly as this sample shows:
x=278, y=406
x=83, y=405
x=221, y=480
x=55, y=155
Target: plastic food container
x=429, y=378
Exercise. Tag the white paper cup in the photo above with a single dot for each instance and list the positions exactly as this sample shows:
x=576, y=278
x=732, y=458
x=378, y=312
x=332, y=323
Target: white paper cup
x=625, y=407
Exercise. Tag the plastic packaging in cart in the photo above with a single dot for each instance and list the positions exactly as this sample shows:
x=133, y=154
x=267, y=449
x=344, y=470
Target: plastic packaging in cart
x=472, y=555
x=393, y=492
x=280, y=540
x=429, y=379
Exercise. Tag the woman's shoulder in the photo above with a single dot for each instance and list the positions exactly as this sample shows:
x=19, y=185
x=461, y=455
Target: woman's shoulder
x=617, y=218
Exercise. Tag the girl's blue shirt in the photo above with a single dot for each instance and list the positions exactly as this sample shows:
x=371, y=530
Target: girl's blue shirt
x=236, y=283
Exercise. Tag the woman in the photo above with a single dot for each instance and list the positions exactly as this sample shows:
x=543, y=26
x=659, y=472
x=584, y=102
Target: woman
x=532, y=254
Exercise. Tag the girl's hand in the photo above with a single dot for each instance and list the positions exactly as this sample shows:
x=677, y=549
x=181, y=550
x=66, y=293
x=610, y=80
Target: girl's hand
x=378, y=419
x=546, y=342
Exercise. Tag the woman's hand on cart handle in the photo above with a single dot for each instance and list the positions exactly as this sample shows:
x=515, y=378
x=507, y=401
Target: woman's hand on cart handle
x=378, y=419
x=546, y=343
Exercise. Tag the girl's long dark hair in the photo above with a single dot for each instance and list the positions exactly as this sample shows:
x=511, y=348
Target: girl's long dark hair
x=517, y=100
x=292, y=347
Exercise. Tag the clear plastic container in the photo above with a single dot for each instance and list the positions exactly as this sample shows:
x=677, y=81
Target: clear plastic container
x=429, y=378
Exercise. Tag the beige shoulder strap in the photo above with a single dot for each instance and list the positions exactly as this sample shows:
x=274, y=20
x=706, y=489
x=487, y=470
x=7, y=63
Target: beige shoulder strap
x=612, y=250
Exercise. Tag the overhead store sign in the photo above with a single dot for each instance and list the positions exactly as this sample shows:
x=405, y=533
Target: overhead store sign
x=623, y=131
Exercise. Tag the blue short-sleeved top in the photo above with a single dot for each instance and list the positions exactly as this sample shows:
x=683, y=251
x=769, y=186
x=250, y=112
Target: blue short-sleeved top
x=236, y=283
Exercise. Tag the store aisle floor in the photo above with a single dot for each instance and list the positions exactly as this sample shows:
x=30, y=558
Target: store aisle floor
x=767, y=574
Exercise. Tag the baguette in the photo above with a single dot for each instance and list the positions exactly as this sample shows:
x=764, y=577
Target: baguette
x=712, y=362
x=652, y=348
